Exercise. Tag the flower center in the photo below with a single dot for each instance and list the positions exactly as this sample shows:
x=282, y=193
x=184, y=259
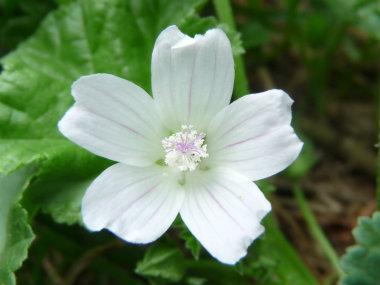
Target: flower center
x=185, y=149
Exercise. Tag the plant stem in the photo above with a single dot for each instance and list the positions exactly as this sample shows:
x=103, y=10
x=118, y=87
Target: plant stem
x=224, y=12
x=316, y=230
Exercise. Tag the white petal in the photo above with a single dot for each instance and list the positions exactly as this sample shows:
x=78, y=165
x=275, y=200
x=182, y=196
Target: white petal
x=192, y=78
x=253, y=135
x=223, y=210
x=138, y=204
x=114, y=118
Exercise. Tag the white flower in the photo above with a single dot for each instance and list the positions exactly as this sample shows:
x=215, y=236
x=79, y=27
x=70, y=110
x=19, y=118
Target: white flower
x=185, y=151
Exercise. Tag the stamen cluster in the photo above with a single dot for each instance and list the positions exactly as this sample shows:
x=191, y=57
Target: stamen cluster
x=185, y=149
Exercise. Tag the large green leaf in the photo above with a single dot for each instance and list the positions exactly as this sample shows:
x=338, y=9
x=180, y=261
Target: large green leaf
x=15, y=233
x=112, y=36
x=362, y=261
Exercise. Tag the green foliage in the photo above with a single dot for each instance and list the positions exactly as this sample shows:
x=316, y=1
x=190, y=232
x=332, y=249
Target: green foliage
x=19, y=19
x=163, y=263
x=191, y=243
x=363, y=13
x=314, y=33
x=19, y=238
x=260, y=32
x=15, y=233
x=362, y=261
x=276, y=261
x=271, y=259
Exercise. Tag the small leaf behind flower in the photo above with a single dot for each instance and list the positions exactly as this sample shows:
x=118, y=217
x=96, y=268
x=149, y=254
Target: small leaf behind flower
x=191, y=243
x=162, y=263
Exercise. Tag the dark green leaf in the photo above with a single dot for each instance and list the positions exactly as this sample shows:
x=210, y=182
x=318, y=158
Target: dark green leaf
x=191, y=243
x=362, y=261
x=162, y=263
x=15, y=233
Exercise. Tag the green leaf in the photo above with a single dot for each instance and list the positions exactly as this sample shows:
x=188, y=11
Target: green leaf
x=271, y=259
x=195, y=280
x=191, y=243
x=162, y=263
x=362, y=261
x=69, y=184
x=213, y=272
x=65, y=205
x=83, y=37
x=15, y=233
x=276, y=261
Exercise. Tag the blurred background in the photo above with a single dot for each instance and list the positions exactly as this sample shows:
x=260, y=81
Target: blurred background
x=326, y=55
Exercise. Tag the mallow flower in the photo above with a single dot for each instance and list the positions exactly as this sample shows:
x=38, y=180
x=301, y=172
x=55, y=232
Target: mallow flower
x=185, y=151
